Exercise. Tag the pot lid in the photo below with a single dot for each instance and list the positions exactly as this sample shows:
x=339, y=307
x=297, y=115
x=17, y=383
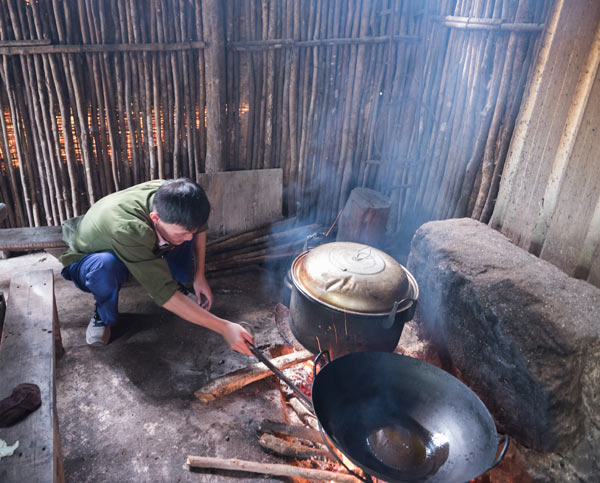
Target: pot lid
x=351, y=276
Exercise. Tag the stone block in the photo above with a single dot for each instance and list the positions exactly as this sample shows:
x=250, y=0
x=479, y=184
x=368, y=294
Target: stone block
x=520, y=332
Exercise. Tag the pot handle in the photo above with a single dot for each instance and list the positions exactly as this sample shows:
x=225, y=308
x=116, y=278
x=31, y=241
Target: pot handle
x=311, y=236
x=389, y=320
x=319, y=355
x=505, y=439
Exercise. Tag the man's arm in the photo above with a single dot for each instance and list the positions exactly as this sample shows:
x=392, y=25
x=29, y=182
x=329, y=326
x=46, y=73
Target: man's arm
x=201, y=287
x=234, y=334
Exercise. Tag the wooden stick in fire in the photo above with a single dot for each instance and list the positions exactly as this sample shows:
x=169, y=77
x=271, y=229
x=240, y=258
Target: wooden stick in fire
x=235, y=380
x=290, y=430
x=292, y=449
x=267, y=469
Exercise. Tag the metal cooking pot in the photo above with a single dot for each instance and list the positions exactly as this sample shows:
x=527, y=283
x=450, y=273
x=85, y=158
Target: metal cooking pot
x=401, y=419
x=350, y=297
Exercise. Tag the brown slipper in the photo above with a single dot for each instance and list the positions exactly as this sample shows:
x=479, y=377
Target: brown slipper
x=25, y=399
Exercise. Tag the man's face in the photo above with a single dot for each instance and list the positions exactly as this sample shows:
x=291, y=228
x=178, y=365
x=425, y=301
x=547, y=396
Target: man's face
x=172, y=233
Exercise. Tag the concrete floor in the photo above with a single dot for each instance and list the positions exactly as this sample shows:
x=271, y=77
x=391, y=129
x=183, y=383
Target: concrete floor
x=127, y=411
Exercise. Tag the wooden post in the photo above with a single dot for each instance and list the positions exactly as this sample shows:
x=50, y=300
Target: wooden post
x=2, y=310
x=214, y=61
x=364, y=218
x=3, y=212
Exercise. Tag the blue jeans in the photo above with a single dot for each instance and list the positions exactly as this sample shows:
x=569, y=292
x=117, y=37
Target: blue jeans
x=102, y=275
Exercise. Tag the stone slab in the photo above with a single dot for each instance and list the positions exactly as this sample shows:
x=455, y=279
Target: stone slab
x=521, y=333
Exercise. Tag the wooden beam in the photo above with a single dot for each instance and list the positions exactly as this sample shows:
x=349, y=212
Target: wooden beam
x=479, y=23
x=269, y=44
x=19, y=43
x=85, y=48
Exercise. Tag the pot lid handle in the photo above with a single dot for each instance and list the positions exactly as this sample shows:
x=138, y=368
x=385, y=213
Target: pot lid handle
x=389, y=320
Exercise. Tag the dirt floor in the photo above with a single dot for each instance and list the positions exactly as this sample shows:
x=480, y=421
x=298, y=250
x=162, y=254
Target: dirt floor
x=127, y=410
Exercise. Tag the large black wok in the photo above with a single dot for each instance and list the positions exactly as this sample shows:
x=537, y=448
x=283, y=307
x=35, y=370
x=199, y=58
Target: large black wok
x=402, y=419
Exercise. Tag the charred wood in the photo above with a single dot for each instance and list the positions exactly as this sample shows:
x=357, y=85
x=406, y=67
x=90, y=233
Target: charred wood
x=290, y=430
x=235, y=380
x=291, y=449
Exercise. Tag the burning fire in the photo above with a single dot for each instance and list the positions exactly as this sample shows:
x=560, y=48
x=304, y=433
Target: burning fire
x=302, y=376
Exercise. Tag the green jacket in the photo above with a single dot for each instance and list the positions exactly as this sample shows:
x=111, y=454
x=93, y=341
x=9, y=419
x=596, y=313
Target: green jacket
x=120, y=223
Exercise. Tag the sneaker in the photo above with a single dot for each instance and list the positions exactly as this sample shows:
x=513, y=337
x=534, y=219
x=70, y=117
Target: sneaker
x=97, y=333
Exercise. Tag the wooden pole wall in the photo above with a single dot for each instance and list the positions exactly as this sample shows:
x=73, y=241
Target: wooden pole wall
x=96, y=96
x=414, y=98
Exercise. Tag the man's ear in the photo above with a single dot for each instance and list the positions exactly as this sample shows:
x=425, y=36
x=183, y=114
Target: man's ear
x=154, y=216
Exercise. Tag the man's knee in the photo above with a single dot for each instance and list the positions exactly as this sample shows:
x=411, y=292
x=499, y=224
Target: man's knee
x=105, y=273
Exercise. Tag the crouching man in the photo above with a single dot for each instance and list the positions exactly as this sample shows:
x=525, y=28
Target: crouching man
x=154, y=231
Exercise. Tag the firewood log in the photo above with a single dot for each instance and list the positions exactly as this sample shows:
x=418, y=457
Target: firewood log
x=267, y=469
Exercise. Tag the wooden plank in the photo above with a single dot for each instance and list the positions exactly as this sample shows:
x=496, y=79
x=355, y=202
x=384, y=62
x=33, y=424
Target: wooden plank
x=571, y=238
x=27, y=354
x=242, y=200
x=22, y=239
x=542, y=121
x=563, y=157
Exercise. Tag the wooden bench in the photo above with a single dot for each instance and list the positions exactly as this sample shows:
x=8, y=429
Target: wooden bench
x=48, y=238
x=28, y=349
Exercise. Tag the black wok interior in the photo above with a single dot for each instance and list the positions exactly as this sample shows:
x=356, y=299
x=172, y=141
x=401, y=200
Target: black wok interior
x=360, y=392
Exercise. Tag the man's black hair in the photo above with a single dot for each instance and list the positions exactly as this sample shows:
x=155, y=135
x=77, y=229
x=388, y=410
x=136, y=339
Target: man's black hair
x=182, y=202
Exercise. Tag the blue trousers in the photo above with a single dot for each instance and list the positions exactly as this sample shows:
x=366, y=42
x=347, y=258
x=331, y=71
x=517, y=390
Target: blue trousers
x=102, y=275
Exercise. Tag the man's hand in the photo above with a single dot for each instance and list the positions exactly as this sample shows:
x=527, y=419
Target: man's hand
x=203, y=292
x=237, y=337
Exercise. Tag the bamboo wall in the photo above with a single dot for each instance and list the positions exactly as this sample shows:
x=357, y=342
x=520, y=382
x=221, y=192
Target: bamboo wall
x=81, y=123
x=415, y=98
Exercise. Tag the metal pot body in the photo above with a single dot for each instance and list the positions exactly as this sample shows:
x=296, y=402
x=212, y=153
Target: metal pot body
x=319, y=327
